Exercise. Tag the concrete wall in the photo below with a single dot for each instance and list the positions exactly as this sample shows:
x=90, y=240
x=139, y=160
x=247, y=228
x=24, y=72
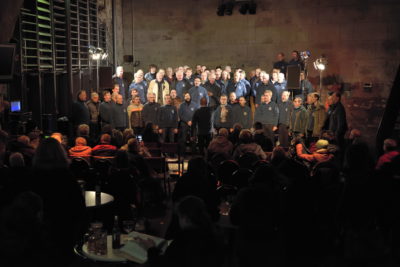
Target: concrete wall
x=360, y=38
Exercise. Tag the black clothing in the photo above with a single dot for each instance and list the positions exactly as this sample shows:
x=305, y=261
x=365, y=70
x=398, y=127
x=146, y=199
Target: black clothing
x=281, y=65
x=264, y=87
x=168, y=117
x=215, y=89
x=150, y=112
x=201, y=121
x=93, y=111
x=119, y=116
x=242, y=115
x=105, y=112
x=227, y=122
x=267, y=114
x=284, y=112
x=80, y=113
x=337, y=122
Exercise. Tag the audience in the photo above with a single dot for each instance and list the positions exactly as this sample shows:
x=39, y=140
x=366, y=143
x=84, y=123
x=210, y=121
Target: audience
x=80, y=149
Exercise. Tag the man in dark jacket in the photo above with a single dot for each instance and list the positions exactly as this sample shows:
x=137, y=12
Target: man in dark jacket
x=213, y=90
x=262, y=86
x=181, y=85
x=268, y=114
x=119, y=114
x=281, y=64
x=186, y=111
x=150, y=110
x=298, y=120
x=223, y=115
x=242, y=114
x=336, y=120
x=285, y=106
x=80, y=111
x=168, y=120
x=93, y=105
x=201, y=125
x=105, y=109
x=118, y=77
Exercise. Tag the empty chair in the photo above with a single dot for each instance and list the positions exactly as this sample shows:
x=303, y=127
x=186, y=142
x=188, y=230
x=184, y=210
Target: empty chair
x=80, y=168
x=173, y=149
x=158, y=164
x=247, y=160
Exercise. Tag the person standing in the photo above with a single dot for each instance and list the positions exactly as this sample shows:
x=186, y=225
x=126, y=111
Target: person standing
x=168, y=120
x=185, y=112
x=213, y=90
x=105, y=109
x=80, y=112
x=150, y=110
x=135, y=117
x=119, y=114
x=280, y=64
x=336, y=119
x=197, y=92
x=242, y=114
x=263, y=85
x=159, y=87
x=118, y=77
x=140, y=85
x=201, y=125
x=268, y=114
x=316, y=117
x=298, y=120
x=223, y=115
x=285, y=107
x=181, y=85
x=94, y=105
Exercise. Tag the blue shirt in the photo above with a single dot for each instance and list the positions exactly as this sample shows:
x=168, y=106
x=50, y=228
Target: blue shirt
x=180, y=87
x=240, y=89
x=141, y=88
x=186, y=111
x=280, y=87
x=197, y=93
x=247, y=86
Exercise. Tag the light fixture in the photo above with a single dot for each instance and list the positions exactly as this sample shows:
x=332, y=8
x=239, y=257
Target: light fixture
x=97, y=53
x=320, y=65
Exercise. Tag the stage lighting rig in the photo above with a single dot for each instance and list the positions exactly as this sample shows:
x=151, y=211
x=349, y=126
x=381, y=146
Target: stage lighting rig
x=320, y=65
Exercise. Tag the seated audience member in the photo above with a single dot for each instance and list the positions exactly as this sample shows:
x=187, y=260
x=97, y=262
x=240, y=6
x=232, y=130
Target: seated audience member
x=57, y=136
x=261, y=138
x=104, y=148
x=34, y=136
x=195, y=224
x=247, y=145
x=117, y=139
x=22, y=145
x=63, y=203
x=135, y=148
x=84, y=131
x=16, y=160
x=220, y=144
x=320, y=155
x=126, y=135
x=150, y=134
x=278, y=156
x=234, y=135
x=80, y=149
x=3, y=144
x=390, y=150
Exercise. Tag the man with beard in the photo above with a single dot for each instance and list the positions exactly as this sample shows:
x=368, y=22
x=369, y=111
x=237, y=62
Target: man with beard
x=175, y=100
x=93, y=105
x=197, y=92
x=223, y=115
x=242, y=114
x=168, y=120
x=213, y=90
x=140, y=85
x=298, y=119
x=186, y=111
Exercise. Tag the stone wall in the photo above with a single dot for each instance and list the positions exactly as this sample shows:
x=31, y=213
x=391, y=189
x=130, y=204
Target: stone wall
x=361, y=40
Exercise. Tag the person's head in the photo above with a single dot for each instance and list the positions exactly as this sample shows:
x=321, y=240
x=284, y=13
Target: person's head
x=138, y=77
x=275, y=76
x=268, y=96
x=212, y=77
x=83, y=130
x=264, y=77
x=159, y=76
x=285, y=96
x=223, y=132
x=50, y=155
x=223, y=99
x=203, y=102
x=302, y=76
x=169, y=72
x=167, y=100
x=242, y=75
x=134, y=92
x=192, y=213
x=334, y=98
x=225, y=75
x=16, y=160
x=354, y=133
x=94, y=97
x=228, y=69
x=236, y=77
x=245, y=137
x=173, y=93
x=133, y=146
x=232, y=97
x=106, y=96
x=297, y=102
x=115, y=88
x=120, y=99
x=188, y=72
x=151, y=97
x=105, y=139
x=204, y=76
x=187, y=97
x=127, y=134
x=80, y=141
x=114, y=97
x=242, y=101
x=295, y=55
x=280, y=56
x=203, y=68
x=312, y=98
x=82, y=96
x=152, y=68
x=179, y=75
x=257, y=72
x=281, y=77
x=389, y=145
x=119, y=71
x=23, y=139
x=258, y=125
x=197, y=166
x=136, y=100
x=198, y=68
x=197, y=81
x=57, y=136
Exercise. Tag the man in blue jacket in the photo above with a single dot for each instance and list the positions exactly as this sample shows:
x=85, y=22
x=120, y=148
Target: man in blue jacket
x=168, y=120
x=139, y=84
x=186, y=111
x=197, y=92
x=268, y=114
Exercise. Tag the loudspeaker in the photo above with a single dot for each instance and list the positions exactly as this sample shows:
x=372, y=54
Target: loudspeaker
x=293, y=77
x=105, y=78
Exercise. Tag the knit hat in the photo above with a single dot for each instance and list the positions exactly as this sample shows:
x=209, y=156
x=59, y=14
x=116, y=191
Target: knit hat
x=321, y=143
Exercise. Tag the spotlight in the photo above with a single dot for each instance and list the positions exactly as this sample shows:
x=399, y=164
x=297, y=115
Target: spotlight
x=221, y=9
x=97, y=53
x=252, y=8
x=229, y=8
x=244, y=8
x=320, y=63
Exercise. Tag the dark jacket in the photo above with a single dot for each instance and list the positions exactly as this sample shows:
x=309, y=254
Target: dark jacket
x=267, y=113
x=181, y=87
x=336, y=121
x=141, y=88
x=242, y=115
x=298, y=120
x=150, y=112
x=215, y=89
x=259, y=90
x=93, y=111
x=123, y=86
x=316, y=119
x=201, y=121
x=284, y=112
x=260, y=138
x=224, y=85
x=105, y=112
x=119, y=116
x=168, y=117
x=281, y=65
x=80, y=113
x=217, y=118
x=186, y=111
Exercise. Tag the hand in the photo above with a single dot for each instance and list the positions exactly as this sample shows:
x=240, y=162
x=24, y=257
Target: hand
x=256, y=105
x=189, y=123
x=210, y=94
x=175, y=130
x=274, y=128
x=160, y=131
x=145, y=243
x=301, y=135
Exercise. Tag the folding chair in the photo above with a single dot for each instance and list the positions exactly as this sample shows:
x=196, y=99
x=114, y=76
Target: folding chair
x=159, y=165
x=173, y=148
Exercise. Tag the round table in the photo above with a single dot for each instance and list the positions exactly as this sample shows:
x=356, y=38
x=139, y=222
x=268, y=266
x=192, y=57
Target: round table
x=90, y=199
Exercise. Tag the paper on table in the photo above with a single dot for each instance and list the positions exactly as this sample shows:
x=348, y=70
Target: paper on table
x=133, y=249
